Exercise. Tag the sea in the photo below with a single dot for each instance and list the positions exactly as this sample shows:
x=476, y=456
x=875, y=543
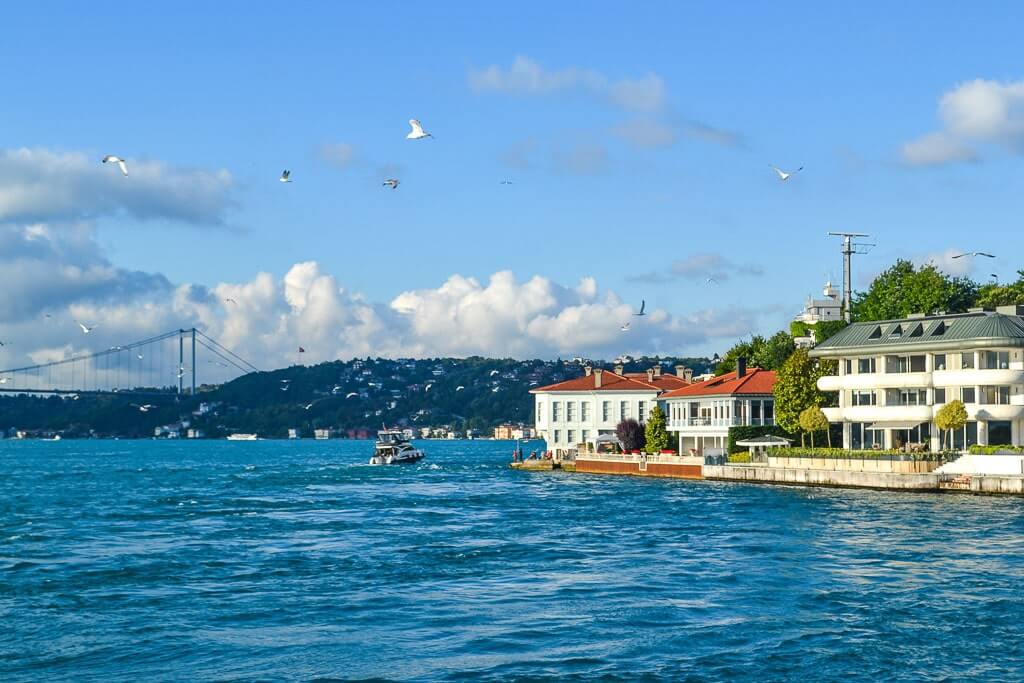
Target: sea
x=298, y=561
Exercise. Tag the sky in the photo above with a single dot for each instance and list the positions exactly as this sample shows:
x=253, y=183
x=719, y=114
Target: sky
x=638, y=142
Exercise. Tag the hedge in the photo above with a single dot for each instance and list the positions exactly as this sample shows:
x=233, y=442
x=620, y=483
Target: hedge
x=742, y=458
x=842, y=454
x=992, y=450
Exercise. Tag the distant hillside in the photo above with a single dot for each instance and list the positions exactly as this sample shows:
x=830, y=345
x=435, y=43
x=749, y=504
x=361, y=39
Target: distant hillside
x=353, y=395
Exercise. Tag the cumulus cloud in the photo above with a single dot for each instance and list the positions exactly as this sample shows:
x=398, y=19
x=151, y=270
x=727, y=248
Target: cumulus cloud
x=977, y=112
x=526, y=76
x=40, y=185
x=340, y=154
x=945, y=261
x=647, y=133
x=701, y=266
x=268, y=317
x=708, y=133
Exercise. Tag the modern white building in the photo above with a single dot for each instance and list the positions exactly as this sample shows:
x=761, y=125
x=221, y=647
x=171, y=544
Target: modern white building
x=579, y=410
x=895, y=375
x=819, y=310
x=702, y=413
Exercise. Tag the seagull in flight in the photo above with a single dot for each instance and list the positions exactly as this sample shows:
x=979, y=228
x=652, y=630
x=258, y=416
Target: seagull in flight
x=86, y=329
x=974, y=253
x=392, y=183
x=145, y=408
x=307, y=406
x=417, y=131
x=506, y=182
x=711, y=281
x=111, y=159
x=286, y=176
x=625, y=328
x=643, y=305
x=459, y=388
x=784, y=176
x=428, y=387
x=139, y=356
x=229, y=300
x=351, y=394
x=493, y=373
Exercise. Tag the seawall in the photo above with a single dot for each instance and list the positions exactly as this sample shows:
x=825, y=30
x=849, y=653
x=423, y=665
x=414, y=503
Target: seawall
x=808, y=477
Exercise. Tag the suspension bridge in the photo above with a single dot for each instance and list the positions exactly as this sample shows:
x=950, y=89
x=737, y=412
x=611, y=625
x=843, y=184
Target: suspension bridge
x=166, y=364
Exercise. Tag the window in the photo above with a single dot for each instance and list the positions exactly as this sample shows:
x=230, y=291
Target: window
x=876, y=333
x=995, y=396
x=917, y=331
x=939, y=329
x=900, y=364
x=866, y=366
x=967, y=361
x=940, y=396
x=896, y=331
x=939, y=361
x=623, y=410
x=641, y=407
x=755, y=409
x=863, y=398
x=968, y=436
x=585, y=413
x=769, y=410
x=585, y=436
x=570, y=437
x=558, y=436
x=606, y=411
x=1000, y=433
x=849, y=366
x=906, y=397
x=570, y=412
x=556, y=411
x=994, y=360
x=967, y=394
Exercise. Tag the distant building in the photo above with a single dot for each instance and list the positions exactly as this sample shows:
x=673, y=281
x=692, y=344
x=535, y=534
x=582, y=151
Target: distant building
x=504, y=432
x=294, y=434
x=323, y=434
x=194, y=433
x=818, y=310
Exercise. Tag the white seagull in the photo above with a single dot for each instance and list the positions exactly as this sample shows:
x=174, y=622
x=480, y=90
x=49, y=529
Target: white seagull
x=417, y=131
x=625, y=328
x=459, y=388
x=783, y=175
x=427, y=388
x=286, y=176
x=110, y=158
x=229, y=300
x=392, y=183
x=974, y=253
x=351, y=394
x=86, y=329
x=712, y=281
x=308, y=406
x=506, y=182
x=643, y=305
x=144, y=408
x=139, y=356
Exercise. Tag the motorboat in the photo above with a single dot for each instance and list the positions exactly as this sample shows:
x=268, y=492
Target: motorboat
x=242, y=437
x=392, y=448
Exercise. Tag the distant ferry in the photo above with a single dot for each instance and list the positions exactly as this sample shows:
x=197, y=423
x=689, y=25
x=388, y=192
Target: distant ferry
x=393, y=448
x=242, y=437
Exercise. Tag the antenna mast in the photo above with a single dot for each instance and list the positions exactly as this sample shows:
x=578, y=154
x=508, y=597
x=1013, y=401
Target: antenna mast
x=849, y=248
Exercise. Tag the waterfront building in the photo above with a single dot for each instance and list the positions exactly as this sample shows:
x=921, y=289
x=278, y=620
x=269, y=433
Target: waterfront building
x=895, y=375
x=323, y=434
x=293, y=433
x=577, y=411
x=702, y=413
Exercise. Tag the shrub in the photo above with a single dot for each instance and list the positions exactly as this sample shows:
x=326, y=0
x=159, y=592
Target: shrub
x=631, y=435
x=656, y=436
x=842, y=454
x=978, y=449
x=741, y=458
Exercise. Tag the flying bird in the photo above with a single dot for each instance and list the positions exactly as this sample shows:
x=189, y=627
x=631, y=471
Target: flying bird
x=625, y=328
x=417, y=131
x=144, y=408
x=506, y=182
x=493, y=373
x=783, y=176
x=302, y=350
x=427, y=388
x=459, y=388
x=86, y=329
x=110, y=158
x=643, y=306
x=285, y=387
x=351, y=394
x=711, y=281
x=392, y=183
x=974, y=253
x=286, y=176
x=307, y=406
x=139, y=356
x=285, y=381
x=229, y=300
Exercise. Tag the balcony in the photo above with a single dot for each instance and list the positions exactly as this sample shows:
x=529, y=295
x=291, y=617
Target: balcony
x=682, y=423
x=875, y=380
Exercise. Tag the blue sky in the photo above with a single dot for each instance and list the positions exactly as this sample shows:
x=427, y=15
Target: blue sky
x=711, y=95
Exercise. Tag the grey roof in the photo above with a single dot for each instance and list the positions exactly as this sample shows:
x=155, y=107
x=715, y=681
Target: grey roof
x=981, y=329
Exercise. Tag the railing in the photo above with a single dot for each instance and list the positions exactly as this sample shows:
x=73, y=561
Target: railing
x=722, y=422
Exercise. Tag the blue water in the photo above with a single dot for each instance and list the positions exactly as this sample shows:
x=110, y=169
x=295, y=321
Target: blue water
x=295, y=561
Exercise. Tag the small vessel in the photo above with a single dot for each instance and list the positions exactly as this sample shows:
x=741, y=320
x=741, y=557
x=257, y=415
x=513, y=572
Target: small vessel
x=393, y=448
x=241, y=437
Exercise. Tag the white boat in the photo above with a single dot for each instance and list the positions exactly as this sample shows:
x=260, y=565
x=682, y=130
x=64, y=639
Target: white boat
x=241, y=437
x=393, y=448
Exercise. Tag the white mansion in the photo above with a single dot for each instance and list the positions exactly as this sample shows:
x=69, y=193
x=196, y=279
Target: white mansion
x=895, y=375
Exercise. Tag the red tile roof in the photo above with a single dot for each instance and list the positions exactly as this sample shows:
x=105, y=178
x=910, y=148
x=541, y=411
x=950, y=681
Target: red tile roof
x=634, y=381
x=756, y=381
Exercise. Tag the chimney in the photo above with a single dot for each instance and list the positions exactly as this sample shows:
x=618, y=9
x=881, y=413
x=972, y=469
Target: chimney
x=741, y=367
x=587, y=370
x=657, y=370
x=597, y=377
x=680, y=370
x=619, y=368
x=650, y=374
x=688, y=374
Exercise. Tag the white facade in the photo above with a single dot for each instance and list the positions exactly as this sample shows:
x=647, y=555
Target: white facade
x=566, y=419
x=829, y=308
x=880, y=394
x=702, y=423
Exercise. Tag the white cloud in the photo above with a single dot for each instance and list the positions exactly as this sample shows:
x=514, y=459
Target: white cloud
x=648, y=133
x=701, y=266
x=976, y=112
x=340, y=154
x=945, y=261
x=581, y=158
x=40, y=185
x=526, y=76
x=269, y=317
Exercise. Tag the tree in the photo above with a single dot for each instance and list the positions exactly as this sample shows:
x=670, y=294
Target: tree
x=796, y=389
x=951, y=417
x=995, y=294
x=767, y=354
x=812, y=419
x=657, y=438
x=904, y=289
x=631, y=435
